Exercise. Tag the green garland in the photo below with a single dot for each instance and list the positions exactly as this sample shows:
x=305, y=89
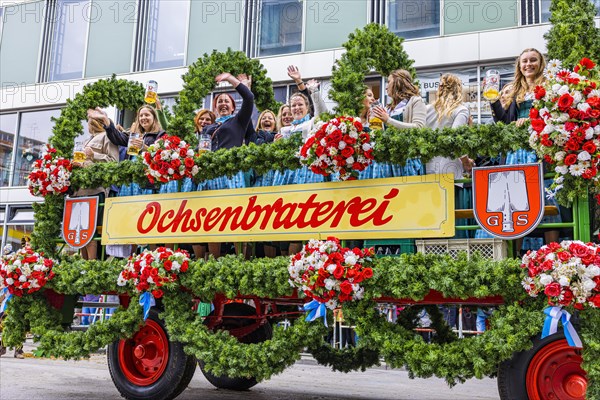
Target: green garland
x=199, y=81
x=374, y=47
x=409, y=276
x=126, y=95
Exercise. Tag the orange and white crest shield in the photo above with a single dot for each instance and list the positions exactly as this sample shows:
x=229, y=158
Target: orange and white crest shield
x=79, y=220
x=508, y=200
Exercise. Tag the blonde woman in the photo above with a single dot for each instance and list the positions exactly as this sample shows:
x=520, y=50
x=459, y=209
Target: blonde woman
x=97, y=149
x=448, y=111
x=284, y=117
x=406, y=110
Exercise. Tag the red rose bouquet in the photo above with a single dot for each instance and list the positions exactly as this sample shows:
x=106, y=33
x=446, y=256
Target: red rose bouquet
x=50, y=174
x=339, y=145
x=152, y=270
x=565, y=127
x=567, y=273
x=169, y=159
x=330, y=274
x=25, y=271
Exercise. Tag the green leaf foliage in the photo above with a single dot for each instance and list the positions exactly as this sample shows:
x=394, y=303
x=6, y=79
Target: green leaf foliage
x=573, y=34
x=373, y=47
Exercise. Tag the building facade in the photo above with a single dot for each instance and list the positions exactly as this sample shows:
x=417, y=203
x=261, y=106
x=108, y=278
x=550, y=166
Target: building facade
x=49, y=49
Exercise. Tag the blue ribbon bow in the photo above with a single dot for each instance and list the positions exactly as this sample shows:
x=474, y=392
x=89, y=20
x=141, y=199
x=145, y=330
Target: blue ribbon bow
x=4, y=292
x=147, y=301
x=316, y=310
x=553, y=316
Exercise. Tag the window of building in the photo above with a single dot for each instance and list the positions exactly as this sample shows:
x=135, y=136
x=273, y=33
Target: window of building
x=34, y=131
x=8, y=129
x=166, y=33
x=328, y=23
x=462, y=16
x=280, y=27
x=414, y=19
x=69, y=39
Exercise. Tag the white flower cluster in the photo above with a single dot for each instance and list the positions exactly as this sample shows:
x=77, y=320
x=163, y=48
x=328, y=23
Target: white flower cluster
x=571, y=267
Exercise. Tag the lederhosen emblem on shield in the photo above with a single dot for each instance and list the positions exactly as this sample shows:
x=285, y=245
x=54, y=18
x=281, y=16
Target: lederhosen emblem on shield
x=79, y=220
x=508, y=200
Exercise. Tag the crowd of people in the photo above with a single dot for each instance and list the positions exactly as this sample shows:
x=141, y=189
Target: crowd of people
x=227, y=127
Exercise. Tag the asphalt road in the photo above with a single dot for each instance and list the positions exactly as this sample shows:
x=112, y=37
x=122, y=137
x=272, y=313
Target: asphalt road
x=47, y=379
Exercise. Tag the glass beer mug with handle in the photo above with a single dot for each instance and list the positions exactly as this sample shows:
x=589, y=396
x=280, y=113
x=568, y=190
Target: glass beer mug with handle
x=491, y=85
x=204, y=144
x=78, y=153
x=133, y=149
x=375, y=122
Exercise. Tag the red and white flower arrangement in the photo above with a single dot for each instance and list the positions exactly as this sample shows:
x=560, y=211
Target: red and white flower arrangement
x=50, y=174
x=339, y=145
x=150, y=271
x=25, y=271
x=329, y=273
x=169, y=159
x=565, y=126
x=567, y=273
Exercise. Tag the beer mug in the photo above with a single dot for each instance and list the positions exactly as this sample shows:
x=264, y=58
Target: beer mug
x=151, y=91
x=491, y=85
x=204, y=144
x=375, y=122
x=78, y=153
x=132, y=149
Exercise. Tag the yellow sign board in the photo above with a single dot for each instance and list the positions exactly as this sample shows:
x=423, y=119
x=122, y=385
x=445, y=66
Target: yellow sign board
x=403, y=207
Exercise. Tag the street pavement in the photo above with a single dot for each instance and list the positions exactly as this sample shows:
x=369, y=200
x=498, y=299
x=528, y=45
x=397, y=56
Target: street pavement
x=48, y=379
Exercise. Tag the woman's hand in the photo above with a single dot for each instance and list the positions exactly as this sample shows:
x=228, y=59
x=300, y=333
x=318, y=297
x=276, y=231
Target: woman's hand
x=380, y=113
x=89, y=153
x=76, y=164
x=245, y=80
x=226, y=76
x=278, y=136
x=313, y=85
x=467, y=163
x=97, y=113
x=138, y=143
x=521, y=121
x=158, y=104
x=294, y=73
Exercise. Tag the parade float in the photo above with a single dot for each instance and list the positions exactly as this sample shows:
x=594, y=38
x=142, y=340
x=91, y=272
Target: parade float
x=543, y=340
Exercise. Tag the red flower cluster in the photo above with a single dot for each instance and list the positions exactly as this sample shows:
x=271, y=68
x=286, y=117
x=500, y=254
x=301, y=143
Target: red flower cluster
x=152, y=270
x=565, y=120
x=567, y=273
x=169, y=159
x=50, y=174
x=339, y=145
x=25, y=271
x=328, y=273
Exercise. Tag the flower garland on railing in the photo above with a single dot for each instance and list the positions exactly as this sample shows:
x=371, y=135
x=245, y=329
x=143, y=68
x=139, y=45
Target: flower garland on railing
x=153, y=271
x=169, y=159
x=25, y=271
x=565, y=128
x=569, y=275
x=329, y=274
x=50, y=174
x=340, y=145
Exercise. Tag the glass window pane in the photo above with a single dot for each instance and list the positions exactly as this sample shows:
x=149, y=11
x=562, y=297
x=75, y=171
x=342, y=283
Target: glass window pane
x=414, y=19
x=280, y=27
x=166, y=33
x=111, y=35
x=16, y=233
x=222, y=19
x=468, y=16
x=21, y=32
x=20, y=215
x=328, y=23
x=546, y=10
x=8, y=126
x=34, y=131
x=69, y=41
